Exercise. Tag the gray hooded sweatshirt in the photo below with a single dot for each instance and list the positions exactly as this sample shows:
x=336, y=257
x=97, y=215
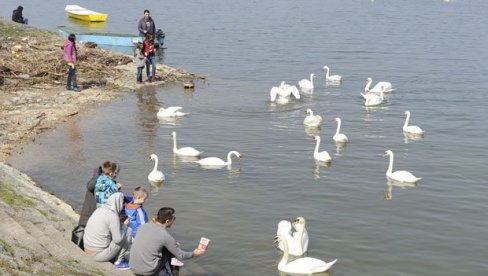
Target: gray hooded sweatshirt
x=103, y=226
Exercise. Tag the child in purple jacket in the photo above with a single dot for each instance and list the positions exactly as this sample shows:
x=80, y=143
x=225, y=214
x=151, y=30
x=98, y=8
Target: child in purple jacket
x=70, y=58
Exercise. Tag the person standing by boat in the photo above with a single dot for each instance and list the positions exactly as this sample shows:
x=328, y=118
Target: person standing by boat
x=149, y=51
x=70, y=57
x=17, y=16
x=146, y=25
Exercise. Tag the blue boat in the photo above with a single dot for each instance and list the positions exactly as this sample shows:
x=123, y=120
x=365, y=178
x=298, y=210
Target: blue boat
x=109, y=39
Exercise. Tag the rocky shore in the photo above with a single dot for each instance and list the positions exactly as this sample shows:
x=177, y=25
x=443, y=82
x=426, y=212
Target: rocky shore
x=36, y=226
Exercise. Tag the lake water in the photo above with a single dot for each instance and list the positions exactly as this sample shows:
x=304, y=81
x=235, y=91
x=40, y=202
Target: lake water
x=433, y=52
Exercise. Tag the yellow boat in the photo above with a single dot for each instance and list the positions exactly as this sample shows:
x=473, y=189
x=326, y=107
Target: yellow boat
x=80, y=13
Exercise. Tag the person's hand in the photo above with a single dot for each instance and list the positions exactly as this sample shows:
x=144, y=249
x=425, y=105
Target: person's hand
x=127, y=221
x=198, y=252
x=119, y=186
x=72, y=65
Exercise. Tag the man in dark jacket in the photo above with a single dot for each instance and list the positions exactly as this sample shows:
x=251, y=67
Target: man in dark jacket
x=17, y=16
x=146, y=25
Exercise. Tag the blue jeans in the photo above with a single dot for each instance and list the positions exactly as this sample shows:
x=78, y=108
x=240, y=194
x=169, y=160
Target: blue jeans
x=139, y=73
x=71, y=77
x=151, y=72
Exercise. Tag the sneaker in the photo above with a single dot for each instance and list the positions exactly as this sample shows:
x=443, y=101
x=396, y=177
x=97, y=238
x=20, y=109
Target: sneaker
x=68, y=88
x=76, y=89
x=122, y=265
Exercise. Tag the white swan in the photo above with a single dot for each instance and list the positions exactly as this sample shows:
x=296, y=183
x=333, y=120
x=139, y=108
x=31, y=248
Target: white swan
x=305, y=265
x=400, y=176
x=373, y=99
x=186, y=151
x=298, y=241
x=172, y=111
x=382, y=86
x=322, y=156
x=339, y=137
x=333, y=78
x=217, y=162
x=282, y=93
x=155, y=177
x=300, y=235
x=416, y=130
x=307, y=84
x=312, y=120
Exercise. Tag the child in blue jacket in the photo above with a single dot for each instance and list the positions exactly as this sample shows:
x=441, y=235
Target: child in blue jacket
x=135, y=211
x=106, y=184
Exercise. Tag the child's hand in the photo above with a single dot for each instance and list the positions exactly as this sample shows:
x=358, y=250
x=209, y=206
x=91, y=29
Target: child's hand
x=127, y=221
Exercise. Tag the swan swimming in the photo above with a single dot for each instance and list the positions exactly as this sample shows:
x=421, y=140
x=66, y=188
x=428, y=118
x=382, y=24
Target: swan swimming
x=304, y=265
x=172, y=111
x=373, y=99
x=333, y=78
x=312, y=120
x=416, y=130
x=307, y=84
x=298, y=241
x=186, y=151
x=322, y=156
x=339, y=137
x=282, y=93
x=379, y=87
x=400, y=176
x=217, y=162
x=155, y=177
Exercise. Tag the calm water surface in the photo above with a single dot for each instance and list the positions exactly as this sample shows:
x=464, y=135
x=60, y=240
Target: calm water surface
x=433, y=52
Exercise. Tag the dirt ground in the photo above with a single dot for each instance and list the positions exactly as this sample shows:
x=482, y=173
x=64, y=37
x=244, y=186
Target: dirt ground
x=33, y=97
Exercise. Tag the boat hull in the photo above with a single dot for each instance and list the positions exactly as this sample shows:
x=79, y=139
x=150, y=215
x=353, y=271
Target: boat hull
x=106, y=38
x=89, y=17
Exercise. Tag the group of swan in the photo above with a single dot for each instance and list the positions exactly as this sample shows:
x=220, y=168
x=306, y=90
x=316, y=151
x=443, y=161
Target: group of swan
x=312, y=120
x=296, y=244
x=281, y=94
x=298, y=240
x=371, y=96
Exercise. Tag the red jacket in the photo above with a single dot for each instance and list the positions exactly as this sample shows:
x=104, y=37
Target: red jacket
x=149, y=48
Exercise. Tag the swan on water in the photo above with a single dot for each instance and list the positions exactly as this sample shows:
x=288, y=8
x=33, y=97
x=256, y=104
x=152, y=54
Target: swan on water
x=307, y=84
x=312, y=120
x=333, y=78
x=172, y=111
x=304, y=265
x=373, y=99
x=382, y=86
x=185, y=151
x=281, y=94
x=416, y=130
x=155, y=177
x=400, y=176
x=339, y=137
x=217, y=162
x=298, y=240
x=322, y=156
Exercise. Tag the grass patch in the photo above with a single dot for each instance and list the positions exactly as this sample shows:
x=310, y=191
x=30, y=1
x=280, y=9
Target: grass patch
x=7, y=247
x=13, y=199
x=10, y=29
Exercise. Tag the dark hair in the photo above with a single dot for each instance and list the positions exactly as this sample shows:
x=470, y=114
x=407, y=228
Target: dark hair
x=109, y=167
x=164, y=214
x=20, y=8
x=72, y=37
x=147, y=11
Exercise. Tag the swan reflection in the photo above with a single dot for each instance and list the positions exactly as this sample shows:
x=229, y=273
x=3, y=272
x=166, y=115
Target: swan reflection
x=173, y=121
x=410, y=136
x=316, y=168
x=390, y=183
x=340, y=147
